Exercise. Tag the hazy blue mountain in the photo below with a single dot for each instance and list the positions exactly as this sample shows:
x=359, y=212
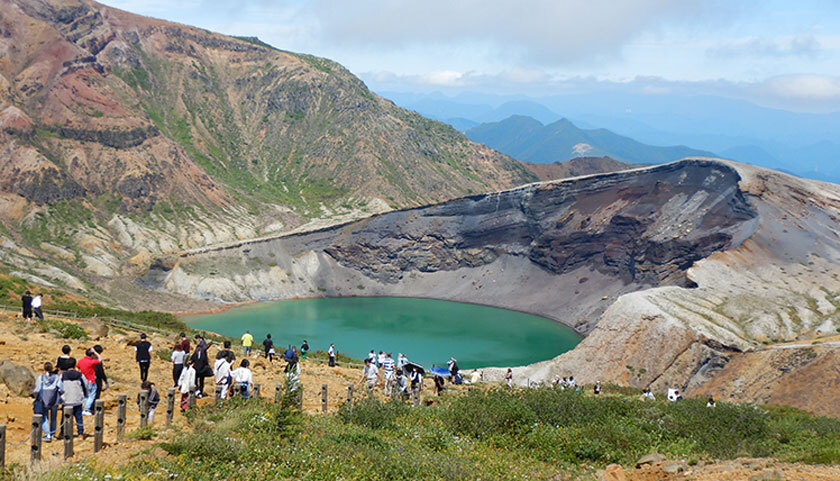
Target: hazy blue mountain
x=461, y=124
x=802, y=143
x=527, y=139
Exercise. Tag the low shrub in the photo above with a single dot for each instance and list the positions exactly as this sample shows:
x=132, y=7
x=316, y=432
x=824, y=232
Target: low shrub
x=373, y=413
x=67, y=330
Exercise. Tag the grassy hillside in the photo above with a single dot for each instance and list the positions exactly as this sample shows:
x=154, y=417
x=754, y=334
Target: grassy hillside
x=487, y=434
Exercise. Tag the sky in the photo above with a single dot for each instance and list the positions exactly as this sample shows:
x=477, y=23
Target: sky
x=781, y=54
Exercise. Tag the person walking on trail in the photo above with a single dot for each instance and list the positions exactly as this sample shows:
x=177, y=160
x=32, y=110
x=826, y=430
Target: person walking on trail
x=26, y=305
x=243, y=377
x=401, y=384
x=509, y=378
x=372, y=357
x=290, y=355
x=370, y=373
x=87, y=366
x=247, y=343
x=143, y=356
x=268, y=345
x=74, y=392
x=64, y=361
x=185, y=344
x=415, y=377
x=401, y=361
x=36, y=306
x=152, y=400
x=102, y=383
x=201, y=364
x=304, y=349
x=597, y=388
x=227, y=352
x=47, y=393
x=292, y=371
x=389, y=368
x=221, y=370
x=178, y=357
x=380, y=360
x=331, y=354
x=186, y=384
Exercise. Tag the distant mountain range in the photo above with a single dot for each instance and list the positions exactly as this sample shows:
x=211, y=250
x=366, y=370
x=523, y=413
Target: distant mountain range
x=527, y=139
x=577, y=167
x=804, y=144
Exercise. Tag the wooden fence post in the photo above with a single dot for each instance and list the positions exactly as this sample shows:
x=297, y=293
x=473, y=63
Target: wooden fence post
x=35, y=442
x=277, y=393
x=256, y=393
x=120, y=414
x=68, y=431
x=218, y=395
x=170, y=405
x=144, y=408
x=350, y=395
x=191, y=399
x=2, y=446
x=99, y=424
x=415, y=396
x=323, y=398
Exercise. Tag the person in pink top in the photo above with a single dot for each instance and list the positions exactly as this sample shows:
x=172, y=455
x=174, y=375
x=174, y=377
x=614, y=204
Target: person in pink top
x=87, y=366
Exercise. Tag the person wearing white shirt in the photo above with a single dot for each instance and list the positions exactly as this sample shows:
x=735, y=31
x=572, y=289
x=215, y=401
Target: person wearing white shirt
x=221, y=369
x=186, y=384
x=674, y=395
x=242, y=375
x=331, y=354
x=178, y=356
x=370, y=373
x=36, y=306
x=388, y=369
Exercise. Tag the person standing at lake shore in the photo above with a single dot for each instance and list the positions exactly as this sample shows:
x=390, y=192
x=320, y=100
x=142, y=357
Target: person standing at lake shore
x=331, y=354
x=268, y=345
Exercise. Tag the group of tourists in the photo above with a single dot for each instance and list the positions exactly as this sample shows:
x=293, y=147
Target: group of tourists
x=31, y=305
x=69, y=383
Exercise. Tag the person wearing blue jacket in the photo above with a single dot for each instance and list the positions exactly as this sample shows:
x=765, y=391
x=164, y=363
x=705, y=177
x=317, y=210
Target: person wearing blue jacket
x=47, y=392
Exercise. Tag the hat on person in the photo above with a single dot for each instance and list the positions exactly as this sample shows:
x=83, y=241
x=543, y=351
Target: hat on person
x=143, y=336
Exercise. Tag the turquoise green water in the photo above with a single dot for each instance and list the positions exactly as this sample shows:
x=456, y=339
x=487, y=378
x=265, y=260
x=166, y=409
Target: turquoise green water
x=429, y=331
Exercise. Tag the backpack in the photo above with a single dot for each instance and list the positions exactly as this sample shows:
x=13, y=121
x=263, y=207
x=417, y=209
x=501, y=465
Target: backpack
x=290, y=355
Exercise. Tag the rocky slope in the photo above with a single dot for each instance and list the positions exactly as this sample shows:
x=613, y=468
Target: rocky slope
x=122, y=135
x=673, y=272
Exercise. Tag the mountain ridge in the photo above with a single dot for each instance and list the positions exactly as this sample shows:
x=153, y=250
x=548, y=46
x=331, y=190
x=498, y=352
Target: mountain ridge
x=527, y=139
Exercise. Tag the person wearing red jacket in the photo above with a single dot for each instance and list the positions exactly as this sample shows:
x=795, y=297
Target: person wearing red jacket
x=87, y=366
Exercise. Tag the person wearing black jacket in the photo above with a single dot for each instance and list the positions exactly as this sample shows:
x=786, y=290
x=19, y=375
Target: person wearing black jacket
x=268, y=345
x=202, y=364
x=65, y=361
x=101, y=379
x=143, y=356
x=26, y=305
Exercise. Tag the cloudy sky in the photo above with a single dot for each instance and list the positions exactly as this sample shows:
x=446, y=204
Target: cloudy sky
x=776, y=53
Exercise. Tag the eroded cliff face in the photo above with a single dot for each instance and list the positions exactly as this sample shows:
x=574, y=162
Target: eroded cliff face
x=559, y=249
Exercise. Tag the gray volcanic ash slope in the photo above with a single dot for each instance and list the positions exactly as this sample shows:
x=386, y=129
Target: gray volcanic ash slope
x=679, y=275
x=557, y=249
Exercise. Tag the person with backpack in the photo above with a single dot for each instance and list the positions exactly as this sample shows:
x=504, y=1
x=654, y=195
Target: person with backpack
x=152, y=400
x=74, y=389
x=331, y=354
x=87, y=366
x=47, y=394
x=242, y=376
x=186, y=383
x=221, y=371
x=26, y=305
x=453, y=371
x=268, y=346
x=143, y=356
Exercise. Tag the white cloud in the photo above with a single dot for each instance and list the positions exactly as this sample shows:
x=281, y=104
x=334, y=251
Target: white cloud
x=798, y=45
x=447, y=78
x=536, y=32
x=806, y=87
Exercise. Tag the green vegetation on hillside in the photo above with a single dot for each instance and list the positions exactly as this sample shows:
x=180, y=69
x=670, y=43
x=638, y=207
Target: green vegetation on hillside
x=494, y=434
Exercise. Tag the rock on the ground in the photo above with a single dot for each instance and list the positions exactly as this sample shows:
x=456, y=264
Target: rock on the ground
x=95, y=329
x=613, y=472
x=19, y=379
x=773, y=475
x=652, y=458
